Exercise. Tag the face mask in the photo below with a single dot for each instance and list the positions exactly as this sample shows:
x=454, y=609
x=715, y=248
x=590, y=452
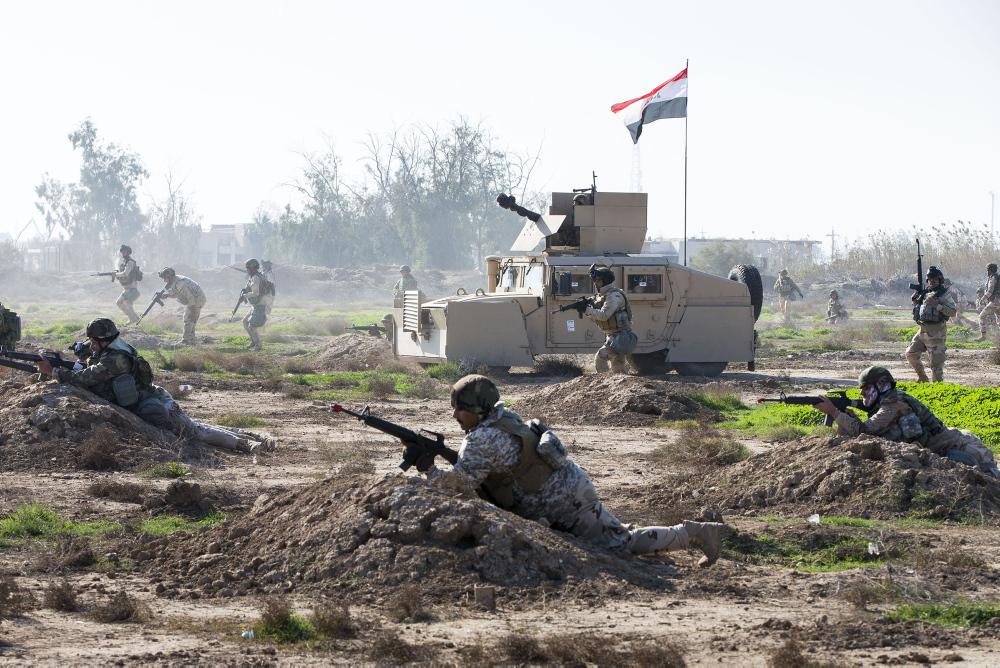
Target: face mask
x=869, y=395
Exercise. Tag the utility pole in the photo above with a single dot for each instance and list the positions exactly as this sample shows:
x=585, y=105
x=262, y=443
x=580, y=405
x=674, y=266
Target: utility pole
x=833, y=243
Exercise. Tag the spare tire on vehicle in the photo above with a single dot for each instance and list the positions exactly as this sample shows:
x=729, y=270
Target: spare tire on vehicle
x=748, y=275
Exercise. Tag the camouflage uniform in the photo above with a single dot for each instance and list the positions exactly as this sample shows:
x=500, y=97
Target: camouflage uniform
x=130, y=291
x=903, y=418
x=786, y=287
x=989, y=317
x=169, y=416
x=835, y=311
x=403, y=285
x=960, y=301
x=268, y=299
x=190, y=294
x=101, y=372
x=255, y=319
x=10, y=328
x=932, y=336
x=566, y=501
x=612, y=313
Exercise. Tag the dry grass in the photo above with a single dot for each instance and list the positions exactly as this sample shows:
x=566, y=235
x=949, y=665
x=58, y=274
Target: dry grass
x=98, y=452
x=333, y=620
x=381, y=388
x=214, y=360
x=698, y=444
x=407, y=605
x=790, y=655
x=578, y=649
x=558, y=365
x=296, y=392
x=425, y=388
x=14, y=599
x=299, y=365
x=71, y=552
x=120, y=607
x=389, y=646
x=61, y=597
x=116, y=490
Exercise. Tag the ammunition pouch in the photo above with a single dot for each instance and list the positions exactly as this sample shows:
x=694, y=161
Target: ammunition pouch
x=125, y=390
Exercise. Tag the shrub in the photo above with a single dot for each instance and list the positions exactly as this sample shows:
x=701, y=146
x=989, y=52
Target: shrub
x=14, y=599
x=333, y=620
x=425, y=388
x=448, y=372
x=166, y=470
x=120, y=607
x=389, y=646
x=98, y=452
x=122, y=492
x=380, y=388
x=279, y=624
x=299, y=365
x=699, y=444
x=407, y=605
x=61, y=596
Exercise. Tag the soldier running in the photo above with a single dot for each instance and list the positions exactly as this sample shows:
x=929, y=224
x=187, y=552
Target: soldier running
x=525, y=470
x=612, y=313
x=931, y=310
x=786, y=287
x=989, y=302
x=188, y=293
x=128, y=276
x=897, y=416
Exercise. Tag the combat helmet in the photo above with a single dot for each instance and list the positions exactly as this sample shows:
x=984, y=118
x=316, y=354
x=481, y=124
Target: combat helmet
x=125, y=248
x=474, y=393
x=602, y=274
x=874, y=374
x=991, y=268
x=167, y=273
x=252, y=264
x=102, y=328
x=934, y=272
x=404, y=269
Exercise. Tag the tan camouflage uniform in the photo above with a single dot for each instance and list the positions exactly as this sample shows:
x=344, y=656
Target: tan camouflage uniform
x=567, y=501
x=959, y=445
x=190, y=294
x=256, y=318
x=611, y=313
x=786, y=287
x=268, y=299
x=130, y=290
x=989, y=317
x=932, y=336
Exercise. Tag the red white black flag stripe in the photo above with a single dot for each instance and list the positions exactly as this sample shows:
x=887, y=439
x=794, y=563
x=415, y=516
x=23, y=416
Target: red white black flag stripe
x=668, y=100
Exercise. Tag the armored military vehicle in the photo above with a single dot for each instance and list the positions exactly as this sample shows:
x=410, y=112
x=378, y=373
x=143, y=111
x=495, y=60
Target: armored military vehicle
x=686, y=320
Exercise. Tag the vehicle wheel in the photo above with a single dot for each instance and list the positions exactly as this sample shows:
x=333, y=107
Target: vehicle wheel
x=650, y=364
x=709, y=369
x=748, y=275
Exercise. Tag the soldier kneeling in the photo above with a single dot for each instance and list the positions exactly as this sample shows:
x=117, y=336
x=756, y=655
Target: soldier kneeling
x=523, y=468
x=897, y=416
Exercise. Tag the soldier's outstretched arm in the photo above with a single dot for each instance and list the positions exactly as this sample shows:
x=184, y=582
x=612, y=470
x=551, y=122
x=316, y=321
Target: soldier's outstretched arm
x=105, y=370
x=611, y=306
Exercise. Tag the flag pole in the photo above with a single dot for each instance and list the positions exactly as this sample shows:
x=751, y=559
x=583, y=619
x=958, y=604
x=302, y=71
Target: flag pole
x=686, y=62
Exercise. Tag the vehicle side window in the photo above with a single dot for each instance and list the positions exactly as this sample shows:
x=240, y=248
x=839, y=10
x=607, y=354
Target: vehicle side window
x=534, y=277
x=645, y=283
x=508, y=283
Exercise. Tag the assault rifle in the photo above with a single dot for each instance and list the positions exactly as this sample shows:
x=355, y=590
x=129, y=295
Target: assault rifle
x=580, y=305
x=107, y=273
x=239, y=302
x=157, y=299
x=55, y=359
x=373, y=330
x=838, y=399
x=417, y=445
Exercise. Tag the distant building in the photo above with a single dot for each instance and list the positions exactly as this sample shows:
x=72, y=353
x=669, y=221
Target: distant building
x=769, y=255
x=222, y=245
x=4, y=237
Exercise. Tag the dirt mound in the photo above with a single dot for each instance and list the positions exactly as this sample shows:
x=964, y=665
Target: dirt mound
x=612, y=400
x=367, y=539
x=354, y=351
x=46, y=426
x=864, y=476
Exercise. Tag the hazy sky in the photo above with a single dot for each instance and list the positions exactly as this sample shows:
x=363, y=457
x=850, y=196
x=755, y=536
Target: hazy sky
x=802, y=115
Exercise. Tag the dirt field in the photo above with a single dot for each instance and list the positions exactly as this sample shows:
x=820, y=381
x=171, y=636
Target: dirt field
x=327, y=519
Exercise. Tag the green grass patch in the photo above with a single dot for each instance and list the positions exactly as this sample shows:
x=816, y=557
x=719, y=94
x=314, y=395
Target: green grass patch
x=719, y=401
x=37, y=521
x=448, y=372
x=348, y=385
x=956, y=615
x=240, y=421
x=235, y=341
x=832, y=554
x=295, y=628
x=166, y=470
x=165, y=525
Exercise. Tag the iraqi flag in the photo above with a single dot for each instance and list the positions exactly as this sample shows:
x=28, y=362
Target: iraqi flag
x=668, y=100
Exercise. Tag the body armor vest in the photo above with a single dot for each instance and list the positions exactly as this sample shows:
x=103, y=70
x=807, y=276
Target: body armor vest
x=620, y=319
x=530, y=472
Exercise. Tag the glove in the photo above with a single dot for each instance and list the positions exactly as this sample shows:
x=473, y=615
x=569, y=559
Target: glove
x=425, y=462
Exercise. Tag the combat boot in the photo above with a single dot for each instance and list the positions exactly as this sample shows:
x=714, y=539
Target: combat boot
x=707, y=537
